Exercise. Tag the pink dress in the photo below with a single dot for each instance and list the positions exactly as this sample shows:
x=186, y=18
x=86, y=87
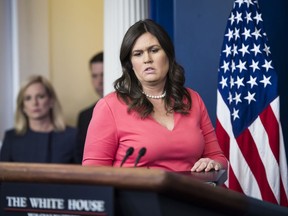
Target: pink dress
x=113, y=130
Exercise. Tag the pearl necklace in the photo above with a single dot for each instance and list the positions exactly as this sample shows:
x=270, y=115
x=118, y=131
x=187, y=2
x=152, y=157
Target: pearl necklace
x=155, y=97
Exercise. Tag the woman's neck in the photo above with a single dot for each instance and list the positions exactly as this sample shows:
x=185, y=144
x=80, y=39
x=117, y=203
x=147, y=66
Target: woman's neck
x=153, y=90
x=43, y=125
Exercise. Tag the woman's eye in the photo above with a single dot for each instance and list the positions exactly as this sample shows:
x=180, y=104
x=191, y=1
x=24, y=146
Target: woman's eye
x=27, y=98
x=136, y=54
x=155, y=50
x=42, y=96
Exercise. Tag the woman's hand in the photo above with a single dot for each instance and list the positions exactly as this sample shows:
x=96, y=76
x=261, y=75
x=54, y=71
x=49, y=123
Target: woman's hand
x=205, y=164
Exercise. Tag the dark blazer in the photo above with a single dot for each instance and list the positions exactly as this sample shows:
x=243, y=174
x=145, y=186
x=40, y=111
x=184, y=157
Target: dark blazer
x=38, y=147
x=82, y=126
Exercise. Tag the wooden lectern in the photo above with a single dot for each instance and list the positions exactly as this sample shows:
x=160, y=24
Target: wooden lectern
x=135, y=191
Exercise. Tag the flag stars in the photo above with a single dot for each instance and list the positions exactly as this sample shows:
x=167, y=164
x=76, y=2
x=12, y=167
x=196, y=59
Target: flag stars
x=248, y=2
x=238, y=17
x=239, y=82
x=231, y=82
x=267, y=65
x=229, y=34
x=256, y=33
x=244, y=49
x=227, y=50
x=258, y=17
x=232, y=18
x=266, y=49
x=235, y=114
x=248, y=17
x=223, y=82
x=233, y=67
x=241, y=65
x=234, y=50
x=237, y=98
x=256, y=49
x=254, y=65
x=240, y=2
x=266, y=81
x=246, y=33
x=250, y=97
x=225, y=66
x=236, y=34
x=252, y=81
x=230, y=98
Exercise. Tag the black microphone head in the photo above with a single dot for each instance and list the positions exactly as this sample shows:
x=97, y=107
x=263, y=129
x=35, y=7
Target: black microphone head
x=142, y=151
x=129, y=151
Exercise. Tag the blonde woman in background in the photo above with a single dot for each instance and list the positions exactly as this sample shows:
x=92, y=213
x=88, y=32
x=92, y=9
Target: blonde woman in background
x=40, y=134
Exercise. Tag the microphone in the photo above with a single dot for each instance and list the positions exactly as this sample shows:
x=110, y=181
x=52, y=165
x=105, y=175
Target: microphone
x=141, y=153
x=129, y=152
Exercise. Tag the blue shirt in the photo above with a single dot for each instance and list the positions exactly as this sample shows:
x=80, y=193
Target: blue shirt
x=40, y=147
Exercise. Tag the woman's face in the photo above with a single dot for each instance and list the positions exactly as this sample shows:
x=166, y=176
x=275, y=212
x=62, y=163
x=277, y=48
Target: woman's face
x=149, y=61
x=36, y=102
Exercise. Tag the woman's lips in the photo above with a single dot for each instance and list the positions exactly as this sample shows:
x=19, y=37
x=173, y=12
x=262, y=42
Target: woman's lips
x=149, y=70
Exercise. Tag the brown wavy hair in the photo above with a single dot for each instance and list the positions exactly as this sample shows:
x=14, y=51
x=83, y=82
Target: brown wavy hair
x=128, y=87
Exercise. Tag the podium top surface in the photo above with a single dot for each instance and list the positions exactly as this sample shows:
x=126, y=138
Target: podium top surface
x=117, y=177
x=141, y=179
x=188, y=186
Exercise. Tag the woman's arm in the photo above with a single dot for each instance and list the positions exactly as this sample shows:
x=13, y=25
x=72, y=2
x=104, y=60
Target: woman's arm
x=212, y=157
x=101, y=142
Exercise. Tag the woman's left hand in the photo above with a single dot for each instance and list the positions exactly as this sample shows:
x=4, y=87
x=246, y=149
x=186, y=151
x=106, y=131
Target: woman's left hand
x=205, y=164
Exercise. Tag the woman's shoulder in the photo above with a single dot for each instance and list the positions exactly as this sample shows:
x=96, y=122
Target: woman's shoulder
x=70, y=130
x=112, y=96
x=193, y=93
x=12, y=136
x=70, y=133
x=111, y=99
x=196, y=97
x=10, y=132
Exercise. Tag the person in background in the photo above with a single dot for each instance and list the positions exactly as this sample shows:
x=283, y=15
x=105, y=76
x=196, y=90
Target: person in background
x=84, y=117
x=40, y=134
x=151, y=108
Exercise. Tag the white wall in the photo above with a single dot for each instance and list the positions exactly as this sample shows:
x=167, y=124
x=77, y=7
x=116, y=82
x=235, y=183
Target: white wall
x=6, y=76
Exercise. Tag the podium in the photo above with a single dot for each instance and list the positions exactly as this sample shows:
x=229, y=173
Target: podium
x=54, y=189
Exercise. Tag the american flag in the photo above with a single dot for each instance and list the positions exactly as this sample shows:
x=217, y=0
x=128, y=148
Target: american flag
x=248, y=121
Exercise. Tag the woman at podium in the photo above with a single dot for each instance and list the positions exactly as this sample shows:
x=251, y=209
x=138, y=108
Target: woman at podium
x=151, y=119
